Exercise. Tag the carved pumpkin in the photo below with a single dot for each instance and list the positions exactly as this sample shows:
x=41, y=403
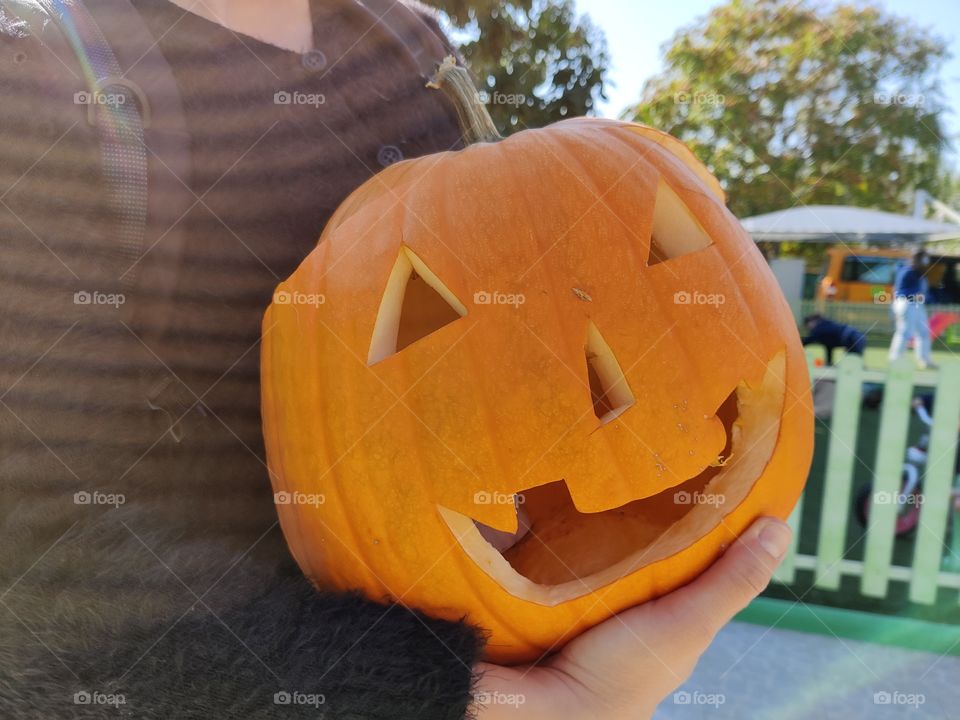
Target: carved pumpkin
x=532, y=383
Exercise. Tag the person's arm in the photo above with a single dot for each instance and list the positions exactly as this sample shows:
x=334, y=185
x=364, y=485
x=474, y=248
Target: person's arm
x=812, y=337
x=296, y=652
x=920, y=405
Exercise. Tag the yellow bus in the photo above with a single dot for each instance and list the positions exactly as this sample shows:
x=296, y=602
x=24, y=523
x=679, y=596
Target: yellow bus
x=866, y=275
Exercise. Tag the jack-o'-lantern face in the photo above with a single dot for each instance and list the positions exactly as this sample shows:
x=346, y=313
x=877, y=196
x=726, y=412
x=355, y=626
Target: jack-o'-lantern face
x=532, y=382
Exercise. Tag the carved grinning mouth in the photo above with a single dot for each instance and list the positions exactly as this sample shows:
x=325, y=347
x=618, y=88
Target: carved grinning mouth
x=566, y=553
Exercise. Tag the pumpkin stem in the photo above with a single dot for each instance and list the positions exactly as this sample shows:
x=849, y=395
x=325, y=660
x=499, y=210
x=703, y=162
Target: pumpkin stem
x=475, y=122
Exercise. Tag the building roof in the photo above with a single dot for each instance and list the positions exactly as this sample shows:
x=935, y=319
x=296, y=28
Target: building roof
x=843, y=223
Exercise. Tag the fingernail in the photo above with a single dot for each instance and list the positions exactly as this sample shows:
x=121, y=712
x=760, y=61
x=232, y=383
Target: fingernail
x=774, y=537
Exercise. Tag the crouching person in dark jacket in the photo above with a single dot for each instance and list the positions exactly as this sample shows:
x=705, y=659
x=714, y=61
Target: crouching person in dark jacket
x=832, y=335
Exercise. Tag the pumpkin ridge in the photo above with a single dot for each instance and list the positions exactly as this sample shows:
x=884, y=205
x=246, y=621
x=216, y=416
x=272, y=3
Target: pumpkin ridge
x=520, y=192
x=668, y=165
x=276, y=457
x=638, y=159
x=599, y=203
x=674, y=148
x=320, y=278
x=477, y=349
x=474, y=581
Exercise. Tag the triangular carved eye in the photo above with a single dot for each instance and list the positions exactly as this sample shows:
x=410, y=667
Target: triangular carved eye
x=676, y=231
x=415, y=304
x=609, y=391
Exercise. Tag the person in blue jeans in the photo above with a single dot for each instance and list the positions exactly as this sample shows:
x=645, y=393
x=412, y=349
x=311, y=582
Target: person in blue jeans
x=910, y=290
x=833, y=335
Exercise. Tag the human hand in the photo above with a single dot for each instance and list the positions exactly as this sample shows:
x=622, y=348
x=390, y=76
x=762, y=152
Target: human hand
x=625, y=666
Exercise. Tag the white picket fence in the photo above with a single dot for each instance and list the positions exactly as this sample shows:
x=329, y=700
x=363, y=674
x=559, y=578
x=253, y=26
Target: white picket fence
x=936, y=557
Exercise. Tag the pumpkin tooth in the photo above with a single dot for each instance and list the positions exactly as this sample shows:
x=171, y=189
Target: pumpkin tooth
x=502, y=540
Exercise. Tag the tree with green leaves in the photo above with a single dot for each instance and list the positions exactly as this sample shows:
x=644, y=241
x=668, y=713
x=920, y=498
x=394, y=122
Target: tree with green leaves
x=811, y=103
x=949, y=188
x=536, y=61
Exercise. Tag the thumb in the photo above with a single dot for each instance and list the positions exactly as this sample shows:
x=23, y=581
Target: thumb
x=742, y=573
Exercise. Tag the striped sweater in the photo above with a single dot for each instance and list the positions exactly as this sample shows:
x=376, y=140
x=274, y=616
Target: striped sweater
x=139, y=552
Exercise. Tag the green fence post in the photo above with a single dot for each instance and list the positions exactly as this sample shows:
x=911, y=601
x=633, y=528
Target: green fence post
x=894, y=423
x=786, y=572
x=951, y=563
x=937, y=483
x=838, y=479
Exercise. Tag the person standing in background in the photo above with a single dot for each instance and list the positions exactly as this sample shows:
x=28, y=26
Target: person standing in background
x=910, y=289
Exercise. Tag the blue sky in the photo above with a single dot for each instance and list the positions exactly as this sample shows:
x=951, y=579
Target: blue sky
x=637, y=29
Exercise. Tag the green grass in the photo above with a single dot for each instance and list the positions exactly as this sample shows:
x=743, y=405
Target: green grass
x=875, y=357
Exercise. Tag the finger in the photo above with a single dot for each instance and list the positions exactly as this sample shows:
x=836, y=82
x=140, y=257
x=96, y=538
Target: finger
x=742, y=573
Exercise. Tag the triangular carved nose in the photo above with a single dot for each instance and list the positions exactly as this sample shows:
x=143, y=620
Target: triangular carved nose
x=609, y=391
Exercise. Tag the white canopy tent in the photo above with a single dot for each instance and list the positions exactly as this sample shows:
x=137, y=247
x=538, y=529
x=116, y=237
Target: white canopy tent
x=846, y=224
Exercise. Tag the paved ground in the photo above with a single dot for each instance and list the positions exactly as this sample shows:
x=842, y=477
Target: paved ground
x=753, y=672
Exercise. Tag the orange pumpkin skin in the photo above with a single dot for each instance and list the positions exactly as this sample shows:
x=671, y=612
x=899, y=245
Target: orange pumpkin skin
x=407, y=449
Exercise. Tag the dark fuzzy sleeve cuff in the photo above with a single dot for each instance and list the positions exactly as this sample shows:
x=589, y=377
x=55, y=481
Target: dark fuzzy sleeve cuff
x=295, y=652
